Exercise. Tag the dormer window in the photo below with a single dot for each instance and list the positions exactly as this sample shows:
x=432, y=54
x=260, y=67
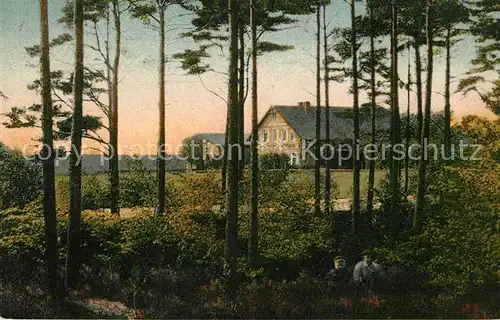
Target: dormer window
x=273, y=116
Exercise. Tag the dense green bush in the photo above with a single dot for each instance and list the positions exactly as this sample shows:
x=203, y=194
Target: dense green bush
x=459, y=248
x=62, y=194
x=274, y=161
x=197, y=192
x=137, y=189
x=95, y=193
x=138, y=186
x=172, y=266
x=292, y=239
x=20, y=179
x=21, y=244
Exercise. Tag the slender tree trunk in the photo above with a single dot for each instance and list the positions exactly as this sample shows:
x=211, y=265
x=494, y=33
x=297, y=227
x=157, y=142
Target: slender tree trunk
x=161, y=108
x=109, y=114
x=254, y=227
x=328, y=182
x=418, y=82
x=373, y=96
x=357, y=160
x=447, y=95
x=317, y=163
x=225, y=156
x=75, y=208
x=407, y=147
x=232, y=194
x=49, y=196
x=113, y=161
x=395, y=137
x=422, y=169
x=241, y=97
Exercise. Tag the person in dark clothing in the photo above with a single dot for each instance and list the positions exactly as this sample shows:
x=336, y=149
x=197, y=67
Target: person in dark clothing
x=339, y=276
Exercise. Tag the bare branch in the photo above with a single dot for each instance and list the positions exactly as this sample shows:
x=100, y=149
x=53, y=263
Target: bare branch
x=60, y=99
x=98, y=150
x=99, y=49
x=211, y=91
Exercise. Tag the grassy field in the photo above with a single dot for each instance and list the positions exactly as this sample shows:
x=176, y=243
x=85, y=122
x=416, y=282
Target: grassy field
x=342, y=179
x=344, y=182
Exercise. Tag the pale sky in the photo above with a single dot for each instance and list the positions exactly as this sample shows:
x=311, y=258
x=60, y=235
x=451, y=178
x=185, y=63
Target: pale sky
x=284, y=78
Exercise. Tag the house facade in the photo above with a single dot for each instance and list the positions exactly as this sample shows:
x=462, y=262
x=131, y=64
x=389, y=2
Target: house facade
x=203, y=149
x=291, y=130
x=206, y=151
x=276, y=135
x=211, y=144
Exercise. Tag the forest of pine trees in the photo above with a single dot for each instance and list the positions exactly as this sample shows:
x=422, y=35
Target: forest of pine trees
x=246, y=241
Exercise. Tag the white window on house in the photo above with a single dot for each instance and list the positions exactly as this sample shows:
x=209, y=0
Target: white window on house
x=266, y=136
x=283, y=134
x=294, y=159
x=275, y=135
x=273, y=116
x=292, y=135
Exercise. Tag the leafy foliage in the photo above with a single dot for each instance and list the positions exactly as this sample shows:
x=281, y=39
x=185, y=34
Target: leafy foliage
x=458, y=250
x=20, y=179
x=274, y=161
x=210, y=27
x=31, y=116
x=485, y=21
x=137, y=188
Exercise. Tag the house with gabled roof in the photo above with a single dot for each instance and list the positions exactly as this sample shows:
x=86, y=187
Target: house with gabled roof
x=212, y=143
x=289, y=129
x=208, y=149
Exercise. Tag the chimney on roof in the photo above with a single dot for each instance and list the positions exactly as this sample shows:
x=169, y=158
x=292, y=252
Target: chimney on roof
x=306, y=105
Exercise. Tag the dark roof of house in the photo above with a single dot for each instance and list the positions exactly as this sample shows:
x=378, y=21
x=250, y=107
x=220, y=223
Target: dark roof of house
x=303, y=121
x=215, y=138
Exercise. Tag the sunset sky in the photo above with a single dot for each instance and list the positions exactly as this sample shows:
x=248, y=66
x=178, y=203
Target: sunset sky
x=285, y=78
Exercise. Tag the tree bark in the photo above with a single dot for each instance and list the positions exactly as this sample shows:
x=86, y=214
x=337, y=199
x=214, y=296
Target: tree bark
x=232, y=194
x=114, y=156
x=407, y=147
x=109, y=114
x=254, y=227
x=418, y=82
x=161, y=109
x=357, y=160
x=447, y=95
x=317, y=163
x=422, y=169
x=73, y=259
x=371, y=174
x=241, y=97
x=225, y=156
x=328, y=182
x=49, y=197
x=395, y=137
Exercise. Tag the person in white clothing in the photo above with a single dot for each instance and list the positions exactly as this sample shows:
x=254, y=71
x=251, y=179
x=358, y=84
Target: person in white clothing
x=366, y=272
